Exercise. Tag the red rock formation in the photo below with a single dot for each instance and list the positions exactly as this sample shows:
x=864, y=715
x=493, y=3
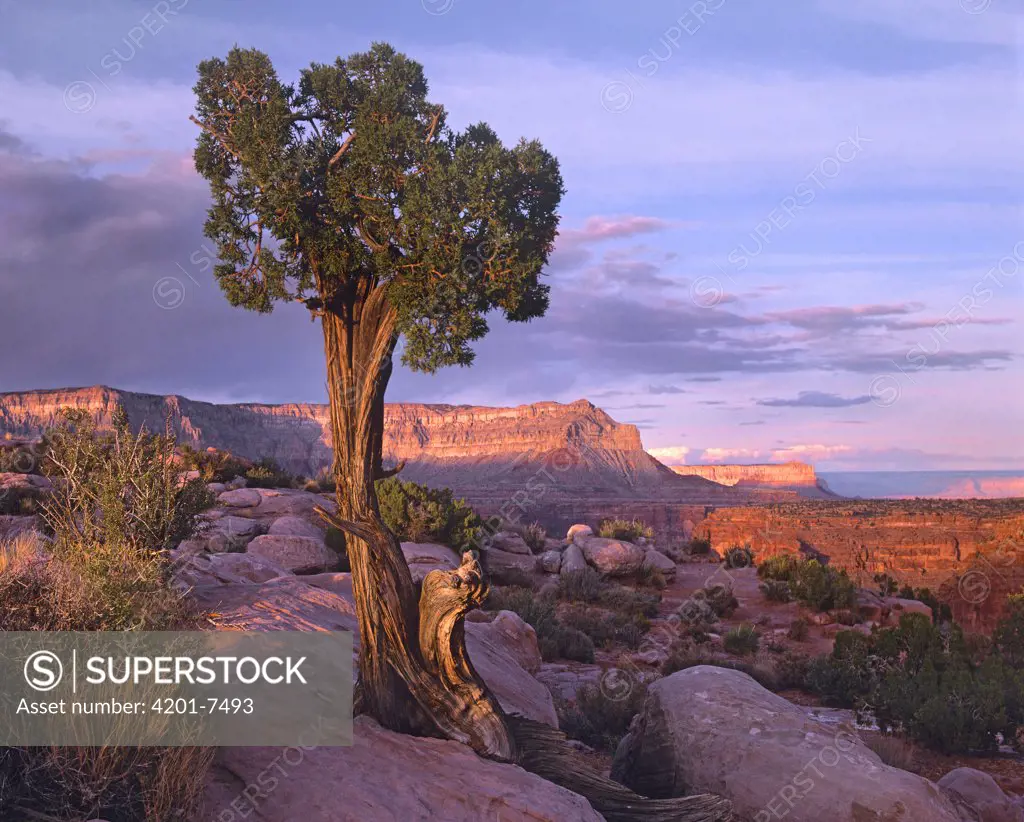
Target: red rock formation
x=794, y=476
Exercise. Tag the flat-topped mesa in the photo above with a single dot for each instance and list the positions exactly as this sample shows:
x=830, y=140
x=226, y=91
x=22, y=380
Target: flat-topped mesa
x=796, y=476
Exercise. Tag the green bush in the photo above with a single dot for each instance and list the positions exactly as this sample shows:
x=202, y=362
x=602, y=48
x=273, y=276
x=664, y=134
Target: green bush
x=627, y=601
x=597, y=719
x=627, y=530
x=417, y=513
x=887, y=586
x=736, y=557
x=779, y=567
x=266, y=473
x=1009, y=634
x=742, y=640
x=812, y=584
x=920, y=680
x=605, y=627
x=213, y=464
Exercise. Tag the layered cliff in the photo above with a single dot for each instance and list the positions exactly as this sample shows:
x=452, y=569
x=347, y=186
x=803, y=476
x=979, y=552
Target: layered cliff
x=558, y=458
x=794, y=476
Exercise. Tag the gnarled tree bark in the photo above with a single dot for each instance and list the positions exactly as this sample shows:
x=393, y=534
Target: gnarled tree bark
x=415, y=675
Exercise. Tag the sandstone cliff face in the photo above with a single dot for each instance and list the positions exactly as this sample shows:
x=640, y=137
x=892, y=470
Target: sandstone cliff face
x=970, y=552
x=548, y=461
x=796, y=476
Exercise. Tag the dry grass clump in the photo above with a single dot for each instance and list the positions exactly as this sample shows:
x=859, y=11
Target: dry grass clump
x=893, y=751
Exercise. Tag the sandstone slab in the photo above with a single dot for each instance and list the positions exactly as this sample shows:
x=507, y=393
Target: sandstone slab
x=716, y=730
x=658, y=561
x=293, y=526
x=503, y=567
x=240, y=498
x=438, y=780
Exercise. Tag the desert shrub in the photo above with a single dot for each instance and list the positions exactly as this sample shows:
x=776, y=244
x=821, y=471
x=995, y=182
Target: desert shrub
x=699, y=547
x=628, y=530
x=627, y=601
x=599, y=720
x=605, y=627
x=776, y=590
x=742, y=640
x=791, y=670
x=555, y=639
x=580, y=586
x=117, y=500
x=704, y=608
x=685, y=655
x=118, y=491
x=266, y=473
x=779, y=567
x=21, y=500
x=892, y=750
x=720, y=597
x=417, y=513
x=213, y=464
x=799, y=629
x=737, y=557
x=920, y=680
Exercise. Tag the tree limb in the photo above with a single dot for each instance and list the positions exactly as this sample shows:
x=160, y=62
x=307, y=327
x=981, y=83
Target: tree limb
x=342, y=150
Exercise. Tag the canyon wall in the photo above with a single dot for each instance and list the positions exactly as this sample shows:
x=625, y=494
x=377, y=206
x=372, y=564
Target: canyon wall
x=970, y=552
x=551, y=462
x=794, y=476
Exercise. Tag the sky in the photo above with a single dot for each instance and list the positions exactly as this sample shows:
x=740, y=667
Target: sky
x=791, y=231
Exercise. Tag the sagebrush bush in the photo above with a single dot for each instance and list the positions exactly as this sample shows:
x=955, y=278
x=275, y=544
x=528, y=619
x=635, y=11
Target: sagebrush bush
x=580, y=586
x=555, y=639
x=627, y=530
x=779, y=567
x=742, y=640
x=651, y=577
x=533, y=534
x=266, y=473
x=213, y=464
x=776, y=590
x=599, y=720
x=417, y=513
x=810, y=583
x=118, y=500
x=699, y=547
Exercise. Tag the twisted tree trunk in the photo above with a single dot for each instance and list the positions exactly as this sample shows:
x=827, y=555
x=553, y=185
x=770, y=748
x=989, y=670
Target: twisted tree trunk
x=415, y=675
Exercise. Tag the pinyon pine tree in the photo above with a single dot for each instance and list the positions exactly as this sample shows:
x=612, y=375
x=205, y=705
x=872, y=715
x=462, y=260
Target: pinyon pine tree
x=349, y=193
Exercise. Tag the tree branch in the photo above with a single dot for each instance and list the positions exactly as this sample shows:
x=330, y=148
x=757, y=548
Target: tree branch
x=342, y=150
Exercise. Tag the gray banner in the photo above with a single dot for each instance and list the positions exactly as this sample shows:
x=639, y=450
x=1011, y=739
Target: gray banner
x=176, y=688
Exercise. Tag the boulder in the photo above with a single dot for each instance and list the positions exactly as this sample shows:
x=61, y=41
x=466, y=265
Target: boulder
x=981, y=793
x=659, y=562
x=551, y=562
x=503, y=652
x=382, y=777
x=292, y=526
x=510, y=542
x=505, y=568
x=613, y=557
x=564, y=679
x=573, y=560
x=580, y=531
x=216, y=488
x=12, y=525
x=240, y=498
x=424, y=557
x=297, y=554
x=709, y=729
x=235, y=483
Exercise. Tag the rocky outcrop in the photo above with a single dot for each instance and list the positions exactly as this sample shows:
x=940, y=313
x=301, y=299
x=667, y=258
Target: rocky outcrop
x=715, y=729
x=439, y=780
x=793, y=476
x=613, y=557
